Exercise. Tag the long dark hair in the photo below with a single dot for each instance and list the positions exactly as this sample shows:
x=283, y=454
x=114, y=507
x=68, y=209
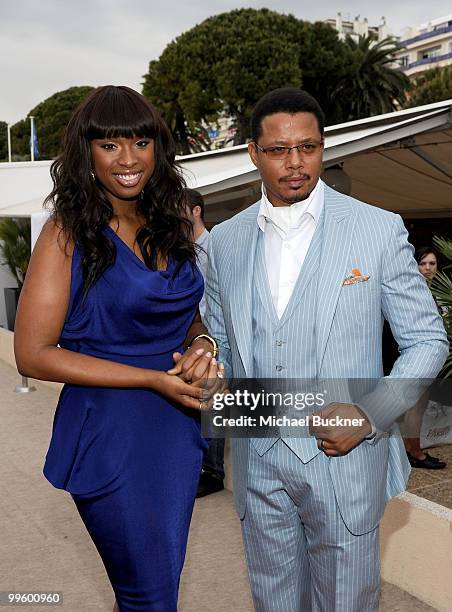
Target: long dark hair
x=79, y=204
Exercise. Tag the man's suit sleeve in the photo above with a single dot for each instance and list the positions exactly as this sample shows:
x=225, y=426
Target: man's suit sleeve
x=408, y=306
x=411, y=312
x=214, y=319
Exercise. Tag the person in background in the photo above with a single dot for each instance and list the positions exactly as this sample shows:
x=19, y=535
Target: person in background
x=195, y=203
x=212, y=475
x=427, y=261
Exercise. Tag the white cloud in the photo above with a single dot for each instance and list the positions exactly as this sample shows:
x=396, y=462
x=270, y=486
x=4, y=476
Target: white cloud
x=50, y=45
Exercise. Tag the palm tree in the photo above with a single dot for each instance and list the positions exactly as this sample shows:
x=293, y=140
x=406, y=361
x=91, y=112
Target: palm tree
x=442, y=290
x=15, y=251
x=371, y=85
x=15, y=247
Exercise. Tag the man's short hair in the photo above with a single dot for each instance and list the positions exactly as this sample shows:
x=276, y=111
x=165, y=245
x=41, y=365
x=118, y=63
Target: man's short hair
x=194, y=198
x=285, y=100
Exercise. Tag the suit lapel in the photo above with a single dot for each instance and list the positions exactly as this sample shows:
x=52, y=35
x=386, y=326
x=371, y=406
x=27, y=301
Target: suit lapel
x=338, y=228
x=241, y=290
x=261, y=279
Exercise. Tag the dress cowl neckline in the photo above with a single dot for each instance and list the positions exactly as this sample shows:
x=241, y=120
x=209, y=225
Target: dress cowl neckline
x=134, y=256
x=131, y=310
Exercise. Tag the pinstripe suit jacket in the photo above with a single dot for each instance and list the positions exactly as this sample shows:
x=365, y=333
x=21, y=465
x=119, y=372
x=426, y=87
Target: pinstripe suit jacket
x=348, y=327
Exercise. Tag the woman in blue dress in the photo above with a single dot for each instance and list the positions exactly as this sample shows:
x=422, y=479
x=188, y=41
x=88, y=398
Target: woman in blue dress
x=111, y=295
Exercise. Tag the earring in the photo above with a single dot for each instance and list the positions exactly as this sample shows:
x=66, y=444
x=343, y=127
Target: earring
x=92, y=175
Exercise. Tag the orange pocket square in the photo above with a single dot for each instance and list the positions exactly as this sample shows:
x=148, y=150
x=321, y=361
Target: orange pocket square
x=355, y=277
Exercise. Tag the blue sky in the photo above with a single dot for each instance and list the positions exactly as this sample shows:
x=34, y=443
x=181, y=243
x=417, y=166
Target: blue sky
x=50, y=45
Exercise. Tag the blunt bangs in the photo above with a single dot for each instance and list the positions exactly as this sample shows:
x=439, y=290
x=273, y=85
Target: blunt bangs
x=119, y=112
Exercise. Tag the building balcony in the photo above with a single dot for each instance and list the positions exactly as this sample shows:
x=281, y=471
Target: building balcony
x=425, y=36
x=426, y=60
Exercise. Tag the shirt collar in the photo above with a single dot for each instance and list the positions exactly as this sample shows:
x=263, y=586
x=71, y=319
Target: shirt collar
x=289, y=217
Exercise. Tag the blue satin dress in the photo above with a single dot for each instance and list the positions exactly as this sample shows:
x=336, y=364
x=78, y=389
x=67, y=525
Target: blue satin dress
x=130, y=458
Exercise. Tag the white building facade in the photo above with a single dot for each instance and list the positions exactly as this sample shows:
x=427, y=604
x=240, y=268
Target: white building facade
x=358, y=27
x=426, y=46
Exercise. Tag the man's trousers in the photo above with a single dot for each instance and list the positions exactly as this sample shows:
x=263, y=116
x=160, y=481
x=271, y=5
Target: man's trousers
x=301, y=556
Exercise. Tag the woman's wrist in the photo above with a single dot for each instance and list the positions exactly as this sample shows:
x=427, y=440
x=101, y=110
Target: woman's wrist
x=203, y=340
x=201, y=343
x=152, y=378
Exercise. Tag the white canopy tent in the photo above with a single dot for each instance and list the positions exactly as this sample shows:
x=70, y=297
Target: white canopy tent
x=400, y=161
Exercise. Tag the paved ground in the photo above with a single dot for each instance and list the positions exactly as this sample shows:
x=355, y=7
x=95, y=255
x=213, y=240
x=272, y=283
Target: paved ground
x=45, y=547
x=435, y=485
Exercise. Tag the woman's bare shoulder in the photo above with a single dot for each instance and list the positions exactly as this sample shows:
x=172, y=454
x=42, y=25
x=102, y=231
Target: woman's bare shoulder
x=55, y=238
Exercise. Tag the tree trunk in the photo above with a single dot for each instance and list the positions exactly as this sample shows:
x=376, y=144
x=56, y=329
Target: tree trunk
x=181, y=135
x=243, y=129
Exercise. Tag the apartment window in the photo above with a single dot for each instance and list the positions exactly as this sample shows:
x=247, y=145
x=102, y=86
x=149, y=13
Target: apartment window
x=430, y=53
x=403, y=61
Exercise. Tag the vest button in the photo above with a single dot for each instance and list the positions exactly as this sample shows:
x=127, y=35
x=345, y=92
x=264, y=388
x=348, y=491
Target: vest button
x=279, y=343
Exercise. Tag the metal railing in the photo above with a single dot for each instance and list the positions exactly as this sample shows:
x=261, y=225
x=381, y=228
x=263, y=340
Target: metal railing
x=425, y=35
x=426, y=60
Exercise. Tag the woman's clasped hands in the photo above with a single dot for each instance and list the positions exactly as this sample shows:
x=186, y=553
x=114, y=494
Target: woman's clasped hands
x=196, y=378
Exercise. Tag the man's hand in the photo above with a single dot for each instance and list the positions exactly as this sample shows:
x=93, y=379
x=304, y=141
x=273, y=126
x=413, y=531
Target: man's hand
x=337, y=438
x=191, y=396
x=194, y=363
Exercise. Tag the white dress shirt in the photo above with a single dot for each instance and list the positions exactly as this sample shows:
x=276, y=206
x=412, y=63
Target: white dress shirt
x=288, y=231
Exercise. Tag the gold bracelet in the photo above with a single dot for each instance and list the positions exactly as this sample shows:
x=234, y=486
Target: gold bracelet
x=210, y=339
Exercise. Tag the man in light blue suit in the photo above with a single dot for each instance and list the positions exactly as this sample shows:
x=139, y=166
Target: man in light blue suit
x=298, y=286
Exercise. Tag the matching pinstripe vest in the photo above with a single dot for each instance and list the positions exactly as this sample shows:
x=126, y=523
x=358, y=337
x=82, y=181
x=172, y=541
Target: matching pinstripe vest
x=286, y=348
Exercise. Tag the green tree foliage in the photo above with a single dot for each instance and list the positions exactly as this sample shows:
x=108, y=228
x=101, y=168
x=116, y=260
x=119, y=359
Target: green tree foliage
x=324, y=61
x=15, y=246
x=51, y=118
x=3, y=141
x=370, y=86
x=225, y=64
x=433, y=86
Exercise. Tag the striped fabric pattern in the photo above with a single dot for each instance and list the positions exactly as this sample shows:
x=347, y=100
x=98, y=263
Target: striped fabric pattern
x=275, y=356
x=348, y=319
x=300, y=555
x=346, y=330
